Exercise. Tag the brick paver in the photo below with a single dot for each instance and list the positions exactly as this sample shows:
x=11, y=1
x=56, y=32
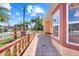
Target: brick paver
x=41, y=46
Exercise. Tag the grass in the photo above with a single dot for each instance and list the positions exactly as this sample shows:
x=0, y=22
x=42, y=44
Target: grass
x=5, y=41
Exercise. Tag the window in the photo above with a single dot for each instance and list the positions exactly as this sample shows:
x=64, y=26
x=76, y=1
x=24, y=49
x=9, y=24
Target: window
x=55, y=21
x=73, y=23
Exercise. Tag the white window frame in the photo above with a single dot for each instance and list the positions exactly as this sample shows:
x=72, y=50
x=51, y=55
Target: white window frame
x=58, y=27
x=67, y=29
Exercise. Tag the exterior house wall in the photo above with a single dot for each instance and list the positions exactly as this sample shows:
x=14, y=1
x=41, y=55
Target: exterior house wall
x=63, y=47
x=47, y=19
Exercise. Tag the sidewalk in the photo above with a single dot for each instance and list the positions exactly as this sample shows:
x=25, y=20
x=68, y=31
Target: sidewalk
x=41, y=46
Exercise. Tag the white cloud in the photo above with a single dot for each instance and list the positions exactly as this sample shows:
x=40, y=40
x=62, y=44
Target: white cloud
x=29, y=19
x=5, y=5
x=17, y=13
x=33, y=14
x=33, y=10
x=76, y=13
x=39, y=10
x=29, y=8
x=9, y=13
x=19, y=18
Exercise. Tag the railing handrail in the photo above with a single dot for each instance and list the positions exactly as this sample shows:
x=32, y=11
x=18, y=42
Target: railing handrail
x=8, y=45
x=18, y=46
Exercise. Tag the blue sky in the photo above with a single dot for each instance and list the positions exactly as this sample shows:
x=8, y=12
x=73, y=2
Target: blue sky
x=32, y=10
x=74, y=14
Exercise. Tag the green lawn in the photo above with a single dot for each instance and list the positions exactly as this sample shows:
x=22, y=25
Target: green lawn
x=5, y=41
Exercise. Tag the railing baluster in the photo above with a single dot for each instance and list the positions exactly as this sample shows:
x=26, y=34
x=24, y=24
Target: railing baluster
x=15, y=51
x=7, y=52
x=17, y=47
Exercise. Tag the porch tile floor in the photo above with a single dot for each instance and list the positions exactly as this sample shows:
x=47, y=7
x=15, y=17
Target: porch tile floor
x=41, y=46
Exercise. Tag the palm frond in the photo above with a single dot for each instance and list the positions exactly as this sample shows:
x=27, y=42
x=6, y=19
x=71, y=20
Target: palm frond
x=3, y=15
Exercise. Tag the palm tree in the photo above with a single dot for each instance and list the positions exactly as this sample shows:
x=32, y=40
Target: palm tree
x=4, y=14
x=26, y=24
x=38, y=23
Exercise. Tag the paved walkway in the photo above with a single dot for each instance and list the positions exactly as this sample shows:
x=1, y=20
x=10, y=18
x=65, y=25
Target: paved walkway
x=41, y=46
